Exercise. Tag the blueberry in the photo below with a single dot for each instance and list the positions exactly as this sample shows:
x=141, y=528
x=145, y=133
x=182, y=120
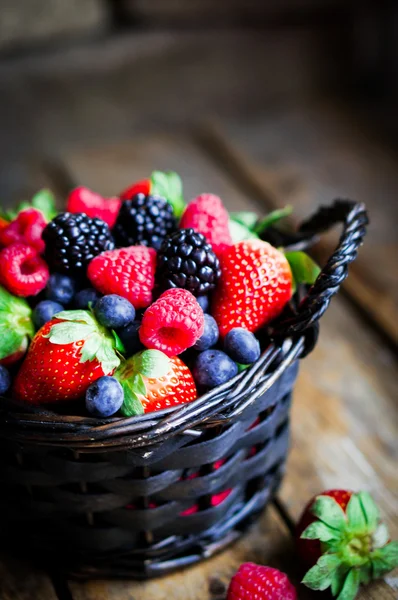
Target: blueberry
x=114, y=311
x=213, y=368
x=5, y=380
x=84, y=297
x=104, y=397
x=210, y=335
x=203, y=301
x=130, y=338
x=242, y=346
x=44, y=312
x=60, y=288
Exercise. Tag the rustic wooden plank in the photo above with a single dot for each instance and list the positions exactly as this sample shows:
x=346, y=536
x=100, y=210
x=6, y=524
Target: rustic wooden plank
x=307, y=156
x=344, y=427
x=20, y=582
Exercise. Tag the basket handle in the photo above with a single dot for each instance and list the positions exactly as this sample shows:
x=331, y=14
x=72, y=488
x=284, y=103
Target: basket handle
x=354, y=217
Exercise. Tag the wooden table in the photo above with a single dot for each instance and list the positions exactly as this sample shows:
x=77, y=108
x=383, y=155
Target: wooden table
x=344, y=416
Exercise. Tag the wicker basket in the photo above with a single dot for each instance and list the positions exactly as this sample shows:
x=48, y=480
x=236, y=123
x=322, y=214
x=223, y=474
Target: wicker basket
x=142, y=496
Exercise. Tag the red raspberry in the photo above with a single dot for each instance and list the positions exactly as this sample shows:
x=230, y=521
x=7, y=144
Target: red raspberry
x=128, y=272
x=25, y=229
x=255, y=581
x=207, y=215
x=173, y=323
x=83, y=200
x=139, y=187
x=22, y=271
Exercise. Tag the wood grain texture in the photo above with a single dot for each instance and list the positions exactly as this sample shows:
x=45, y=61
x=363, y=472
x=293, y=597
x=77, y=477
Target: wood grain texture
x=20, y=582
x=309, y=156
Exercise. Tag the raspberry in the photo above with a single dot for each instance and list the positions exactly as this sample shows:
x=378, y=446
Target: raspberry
x=207, y=215
x=173, y=323
x=127, y=272
x=84, y=200
x=255, y=581
x=25, y=229
x=22, y=271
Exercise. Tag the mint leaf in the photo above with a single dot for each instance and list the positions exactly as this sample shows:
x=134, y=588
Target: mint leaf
x=239, y=232
x=304, y=269
x=169, y=186
x=44, y=200
x=67, y=332
x=320, y=531
x=272, y=218
x=151, y=363
x=355, y=515
x=350, y=586
x=329, y=511
x=370, y=510
x=132, y=405
x=246, y=218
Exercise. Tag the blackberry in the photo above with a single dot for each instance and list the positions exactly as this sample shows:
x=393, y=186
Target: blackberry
x=186, y=260
x=73, y=240
x=144, y=220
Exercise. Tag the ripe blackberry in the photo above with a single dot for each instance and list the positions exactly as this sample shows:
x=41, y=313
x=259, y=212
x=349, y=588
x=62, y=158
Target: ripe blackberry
x=186, y=260
x=73, y=240
x=144, y=220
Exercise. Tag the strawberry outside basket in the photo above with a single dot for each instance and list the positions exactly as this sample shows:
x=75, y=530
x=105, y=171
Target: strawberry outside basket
x=142, y=496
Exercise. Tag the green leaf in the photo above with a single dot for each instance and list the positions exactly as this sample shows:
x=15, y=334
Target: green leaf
x=239, y=232
x=44, y=200
x=304, y=269
x=81, y=316
x=320, y=576
x=10, y=341
x=151, y=363
x=242, y=367
x=90, y=347
x=272, y=218
x=370, y=510
x=329, y=511
x=350, y=586
x=138, y=384
x=67, y=332
x=169, y=186
x=246, y=218
x=381, y=536
x=355, y=515
x=320, y=531
x=338, y=579
x=107, y=356
x=132, y=405
x=119, y=346
x=385, y=559
x=15, y=323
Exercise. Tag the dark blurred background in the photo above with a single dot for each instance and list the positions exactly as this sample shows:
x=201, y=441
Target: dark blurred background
x=78, y=72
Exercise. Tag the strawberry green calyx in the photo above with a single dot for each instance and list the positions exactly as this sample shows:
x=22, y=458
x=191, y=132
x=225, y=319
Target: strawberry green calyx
x=355, y=545
x=16, y=324
x=148, y=363
x=43, y=200
x=240, y=232
x=169, y=186
x=246, y=225
x=98, y=342
x=304, y=269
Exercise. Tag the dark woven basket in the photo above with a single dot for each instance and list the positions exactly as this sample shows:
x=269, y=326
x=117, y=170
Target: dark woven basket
x=142, y=496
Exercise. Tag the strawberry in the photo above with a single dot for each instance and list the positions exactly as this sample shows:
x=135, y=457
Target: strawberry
x=152, y=381
x=340, y=535
x=84, y=200
x=66, y=355
x=26, y=228
x=167, y=185
x=207, y=215
x=265, y=583
x=16, y=327
x=127, y=272
x=255, y=285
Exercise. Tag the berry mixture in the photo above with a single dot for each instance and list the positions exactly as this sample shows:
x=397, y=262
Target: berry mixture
x=132, y=303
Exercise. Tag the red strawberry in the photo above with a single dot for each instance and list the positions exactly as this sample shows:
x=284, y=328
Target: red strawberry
x=207, y=215
x=16, y=327
x=140, y=187
x=341, y=536
x=255, y=285
x=152, y=381
x=83, y=200
x=26, y=228
x=265, y=583
x=173, y=323
x=66, y=355
x=127, y=272
x=22, y=271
